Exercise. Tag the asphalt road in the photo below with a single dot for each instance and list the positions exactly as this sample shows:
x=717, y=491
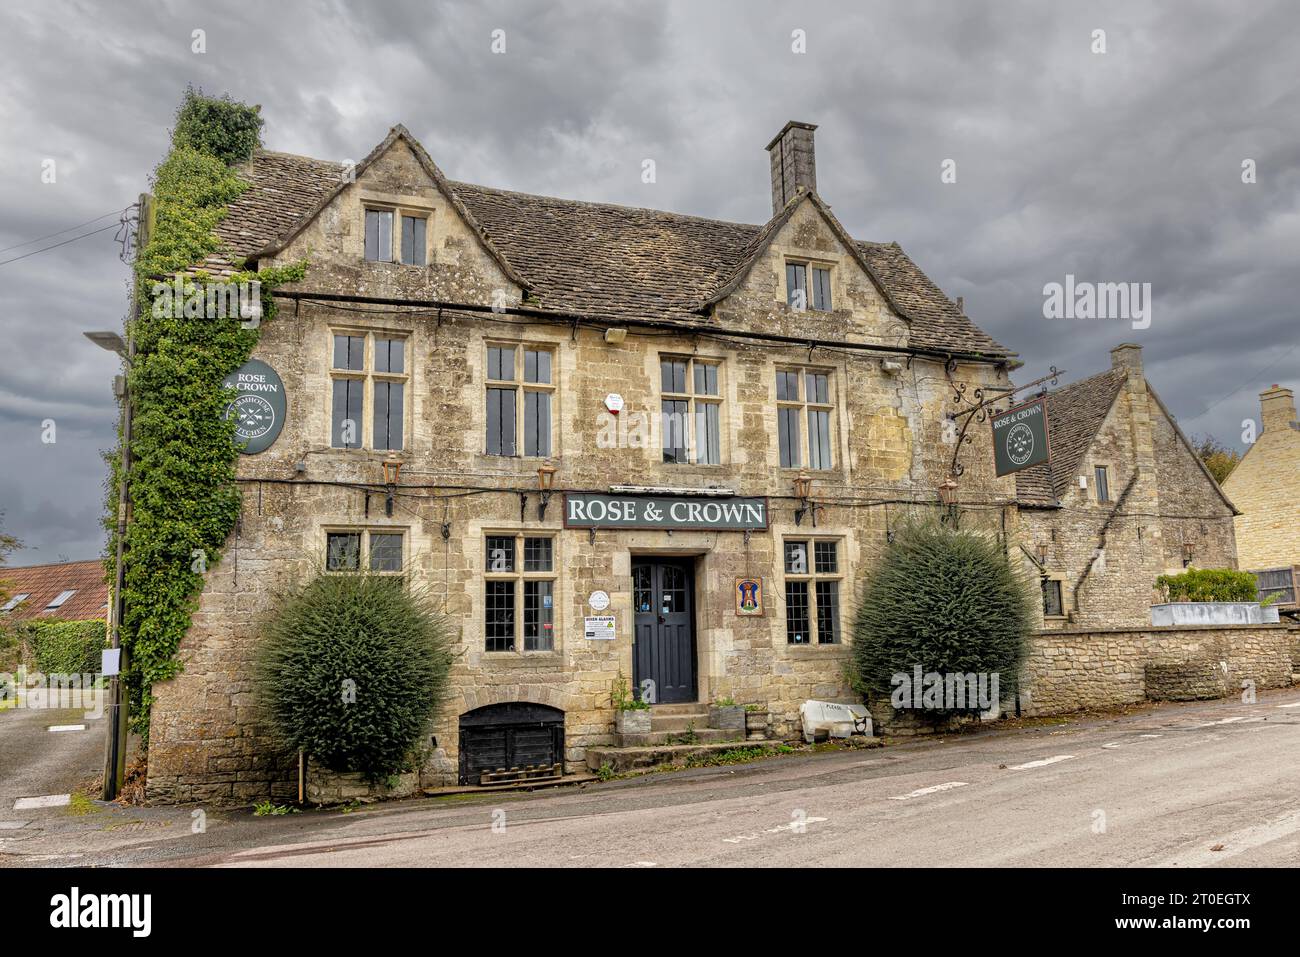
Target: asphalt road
x=1206, y=784
x=37, y=762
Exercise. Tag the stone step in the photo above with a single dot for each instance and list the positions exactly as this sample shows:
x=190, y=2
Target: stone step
x=686, y=707
x=629, y=759
x=661, y=738
x=678, y=722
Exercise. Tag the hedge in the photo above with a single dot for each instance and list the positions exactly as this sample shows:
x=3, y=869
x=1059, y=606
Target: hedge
x=1209, y=584
x=66, y=647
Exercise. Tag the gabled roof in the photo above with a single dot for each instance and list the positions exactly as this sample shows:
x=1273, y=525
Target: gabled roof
x=591, y=259
x=340, y=183
x=43, y=583
x=1075, y=414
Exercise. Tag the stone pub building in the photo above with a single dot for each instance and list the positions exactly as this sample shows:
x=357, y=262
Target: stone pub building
x=631, y=443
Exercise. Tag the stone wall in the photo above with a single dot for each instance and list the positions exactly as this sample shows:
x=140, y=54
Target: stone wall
x=1105, y=668
x=1265, y=486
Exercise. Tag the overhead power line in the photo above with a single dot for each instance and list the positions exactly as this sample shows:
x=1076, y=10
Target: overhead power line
x=38, y=239
x=46, y=249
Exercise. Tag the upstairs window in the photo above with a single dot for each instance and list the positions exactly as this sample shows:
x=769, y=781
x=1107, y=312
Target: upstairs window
x=804, y=395
x=799, y=295
x=1101, y=481
x=690, y=411
x=379, y=235
x=368, y=369
x=520, y=393
x=413, y=239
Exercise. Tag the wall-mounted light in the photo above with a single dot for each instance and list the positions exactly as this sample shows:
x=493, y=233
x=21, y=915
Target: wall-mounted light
x=1042, y=555
x=392, y=469
x=545, y=480
x=802, y=489
x=1189, y=553
x=948, y=496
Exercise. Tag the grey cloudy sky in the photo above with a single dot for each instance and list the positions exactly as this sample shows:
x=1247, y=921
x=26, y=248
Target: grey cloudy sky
x=1122, y=167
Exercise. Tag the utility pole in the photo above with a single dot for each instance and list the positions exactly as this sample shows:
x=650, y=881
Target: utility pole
x=115, y=745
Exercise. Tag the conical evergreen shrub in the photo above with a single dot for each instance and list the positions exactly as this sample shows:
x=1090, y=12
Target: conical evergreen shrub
x=944, y=600
x=351, y=669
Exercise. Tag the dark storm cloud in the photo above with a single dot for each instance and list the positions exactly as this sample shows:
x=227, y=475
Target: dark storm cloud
x=1122, y=167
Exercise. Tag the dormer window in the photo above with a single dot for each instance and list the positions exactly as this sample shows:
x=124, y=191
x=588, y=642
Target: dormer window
x=800, y=295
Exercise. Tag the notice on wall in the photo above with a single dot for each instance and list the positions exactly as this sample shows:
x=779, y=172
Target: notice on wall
x=598, y=627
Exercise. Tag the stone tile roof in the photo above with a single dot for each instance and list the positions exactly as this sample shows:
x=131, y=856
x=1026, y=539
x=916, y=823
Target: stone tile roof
x=593, y=259
x=42, y=583
x=1075, y=413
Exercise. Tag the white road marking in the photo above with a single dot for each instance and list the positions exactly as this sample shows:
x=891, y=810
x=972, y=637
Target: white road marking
x=1113, y=744
x=795, y=826
x=1149, y=736
x=12, y=825
x=67, y=727
x=48, y=800
x=641, y=864
x=921, y=792
x=1044, y=762
x=1293, y=704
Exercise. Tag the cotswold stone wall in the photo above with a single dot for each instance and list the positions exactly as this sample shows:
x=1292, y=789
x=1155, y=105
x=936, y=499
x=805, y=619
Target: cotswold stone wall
x=1103, y=668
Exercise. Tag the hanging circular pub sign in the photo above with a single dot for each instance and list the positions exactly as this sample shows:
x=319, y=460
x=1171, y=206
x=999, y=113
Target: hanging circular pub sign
x=259, y=409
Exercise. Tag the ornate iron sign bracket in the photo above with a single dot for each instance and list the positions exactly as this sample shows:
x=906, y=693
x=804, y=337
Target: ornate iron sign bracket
x=980, y=407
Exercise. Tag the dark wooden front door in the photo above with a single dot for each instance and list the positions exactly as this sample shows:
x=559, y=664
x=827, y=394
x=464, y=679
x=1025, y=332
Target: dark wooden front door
x=663, y=599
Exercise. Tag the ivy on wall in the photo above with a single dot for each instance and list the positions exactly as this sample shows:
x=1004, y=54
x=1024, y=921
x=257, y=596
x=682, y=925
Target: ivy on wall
x=184, y=502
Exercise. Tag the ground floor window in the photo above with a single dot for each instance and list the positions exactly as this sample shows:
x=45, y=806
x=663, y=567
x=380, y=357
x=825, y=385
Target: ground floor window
x=812, y=591
x=519, y=593
x=376, y=550
x=1052, y=602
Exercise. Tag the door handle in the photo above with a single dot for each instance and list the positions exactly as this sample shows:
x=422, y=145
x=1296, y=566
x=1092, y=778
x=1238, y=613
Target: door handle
x=661, y=619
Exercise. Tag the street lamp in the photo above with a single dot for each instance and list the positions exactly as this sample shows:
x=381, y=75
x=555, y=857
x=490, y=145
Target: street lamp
x=545, y=480
x=115, y=746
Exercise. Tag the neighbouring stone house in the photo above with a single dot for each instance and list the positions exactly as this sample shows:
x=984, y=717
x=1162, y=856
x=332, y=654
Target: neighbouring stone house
x=1123, y=500
x=735, y=416
x=1265, y=485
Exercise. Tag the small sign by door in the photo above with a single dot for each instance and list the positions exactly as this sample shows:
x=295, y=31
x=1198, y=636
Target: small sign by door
x=598, y=627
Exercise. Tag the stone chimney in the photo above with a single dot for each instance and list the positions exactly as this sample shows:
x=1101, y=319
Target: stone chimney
x=1127, y=357
x=1277, y=408
x=793, y=162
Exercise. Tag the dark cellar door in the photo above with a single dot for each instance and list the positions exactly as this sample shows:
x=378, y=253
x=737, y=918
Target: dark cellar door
x=663, y=602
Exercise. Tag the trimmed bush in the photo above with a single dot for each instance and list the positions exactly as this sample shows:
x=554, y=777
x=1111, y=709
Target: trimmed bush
x=351, y=670
x=1209, y=584
x=946, y=601
x=66, y=647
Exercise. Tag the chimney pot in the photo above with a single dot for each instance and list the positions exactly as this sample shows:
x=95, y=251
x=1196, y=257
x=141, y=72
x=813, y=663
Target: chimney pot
x=793, y=163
